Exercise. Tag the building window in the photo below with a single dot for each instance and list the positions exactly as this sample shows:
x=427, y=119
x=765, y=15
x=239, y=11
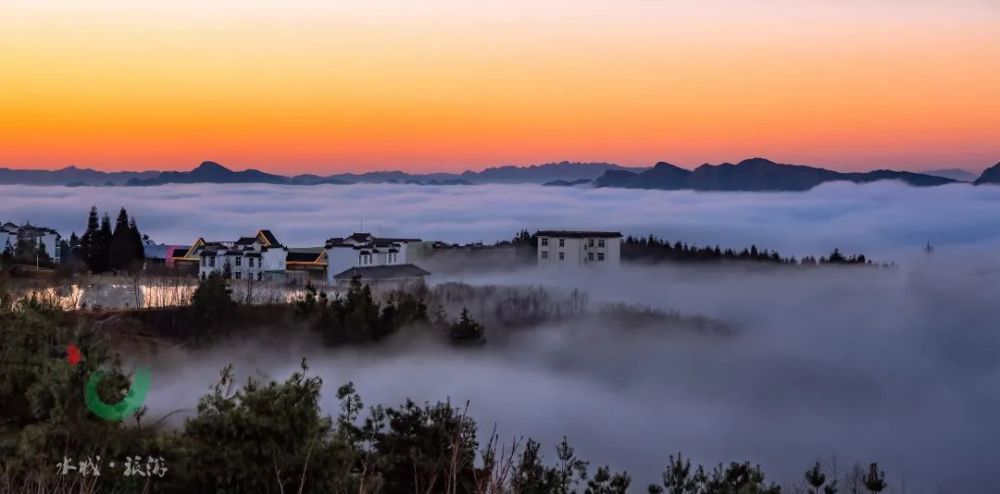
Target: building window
x=545, y=241
x=239, y=275
x=562, y=242
x=600, y=256
x=239, y=261
x=545, y=254
x=600, y=242
x=590, y=243
x=204, y=261
x=590, y=256
x=250, y=262
x=259, y=275
x=562, y=256
x=211, y=262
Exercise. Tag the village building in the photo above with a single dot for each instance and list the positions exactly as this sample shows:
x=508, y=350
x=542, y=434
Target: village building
x=579, y=248
x=377, y=260
x=259, y=258
x=306, y=264
x=163, y=255
x=384, y=277
x=45, y=238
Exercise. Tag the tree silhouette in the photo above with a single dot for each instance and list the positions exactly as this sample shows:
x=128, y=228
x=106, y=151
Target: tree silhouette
x=874, y=480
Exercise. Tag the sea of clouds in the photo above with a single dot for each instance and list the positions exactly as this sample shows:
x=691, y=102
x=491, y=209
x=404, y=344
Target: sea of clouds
x=850, y=365
x=881, y=219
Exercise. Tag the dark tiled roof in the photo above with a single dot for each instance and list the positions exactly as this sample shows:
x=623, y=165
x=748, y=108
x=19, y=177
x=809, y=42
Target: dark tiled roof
x=360, y=237
x=397, y=240
x=179, y=250
x=302, y=256
x=246, y=241
x=270, y=237
x=577, y=234
x=390, y=272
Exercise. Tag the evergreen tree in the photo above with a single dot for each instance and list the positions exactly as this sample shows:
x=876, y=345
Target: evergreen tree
x=138, y=244
x=874, y=480
x=7, y=257
x=815, y=478
x=90, y=243
x=212, y=301
x=122, y=250
x=104, y=242
x=466, y=330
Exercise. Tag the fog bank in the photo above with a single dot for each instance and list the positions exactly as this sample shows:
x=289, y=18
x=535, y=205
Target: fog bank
x=879, y=219
x=898, y=366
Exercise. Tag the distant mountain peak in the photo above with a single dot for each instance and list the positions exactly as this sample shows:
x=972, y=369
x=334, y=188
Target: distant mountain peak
x=990, y=175
x=211, y=166
x=753, y=174
x=664, y=164
x=755, y=161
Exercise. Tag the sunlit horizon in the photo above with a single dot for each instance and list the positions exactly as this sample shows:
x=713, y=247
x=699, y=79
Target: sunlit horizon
x=443, y=85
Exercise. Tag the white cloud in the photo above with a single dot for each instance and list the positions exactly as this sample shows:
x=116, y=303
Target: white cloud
x=881, y=220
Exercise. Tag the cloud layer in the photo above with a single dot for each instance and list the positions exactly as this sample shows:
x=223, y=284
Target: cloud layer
x=895, y=365
x=898, y=366
x=884, y=219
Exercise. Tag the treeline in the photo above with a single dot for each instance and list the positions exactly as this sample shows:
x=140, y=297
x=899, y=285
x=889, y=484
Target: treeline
x=25, y=251
x=272, y=436
x=354, y=317
x=653, y=248
x=103, y=248
x=357, y=317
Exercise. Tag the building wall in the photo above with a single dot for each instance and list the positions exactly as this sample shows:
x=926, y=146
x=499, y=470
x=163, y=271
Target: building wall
x=339, y=259
x=51, y=242
x=274, y=259
x=207, y=265
x=579, y=251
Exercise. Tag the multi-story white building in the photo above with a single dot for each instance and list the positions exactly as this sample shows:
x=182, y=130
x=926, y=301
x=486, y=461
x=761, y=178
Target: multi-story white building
x=579, y=248
x=46, y=238
x=250, y=258
x=354, y=255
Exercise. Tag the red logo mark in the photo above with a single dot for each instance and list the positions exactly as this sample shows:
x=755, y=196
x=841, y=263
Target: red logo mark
x=73, y=354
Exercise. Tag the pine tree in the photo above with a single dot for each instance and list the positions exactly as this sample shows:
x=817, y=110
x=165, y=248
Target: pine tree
x=874, y=480
x=104, y=243
x=121, y=248
x=466, y=330
x=90, y=243
x=815, y=478
x=138, y=246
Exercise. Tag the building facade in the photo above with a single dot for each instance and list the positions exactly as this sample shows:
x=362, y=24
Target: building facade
x=364, y=250
x=259, y=258
x=579, y=248
x=45, y=238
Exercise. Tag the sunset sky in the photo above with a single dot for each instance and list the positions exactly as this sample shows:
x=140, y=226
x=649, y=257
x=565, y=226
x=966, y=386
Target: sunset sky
x=420, y=85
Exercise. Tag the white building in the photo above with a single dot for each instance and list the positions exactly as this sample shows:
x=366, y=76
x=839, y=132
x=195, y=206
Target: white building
x=259, y=257
x=579, y=248
x=46, y=238
x=353, y=255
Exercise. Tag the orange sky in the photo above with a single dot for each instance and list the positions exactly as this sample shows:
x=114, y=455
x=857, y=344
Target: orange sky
x=347, y=85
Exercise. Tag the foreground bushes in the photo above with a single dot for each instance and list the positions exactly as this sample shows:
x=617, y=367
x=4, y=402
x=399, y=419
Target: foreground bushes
x=273, y=437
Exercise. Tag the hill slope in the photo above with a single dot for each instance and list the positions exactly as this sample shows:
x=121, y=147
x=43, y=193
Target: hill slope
x=755, y=174
x=990, y=175
x=210, y=172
